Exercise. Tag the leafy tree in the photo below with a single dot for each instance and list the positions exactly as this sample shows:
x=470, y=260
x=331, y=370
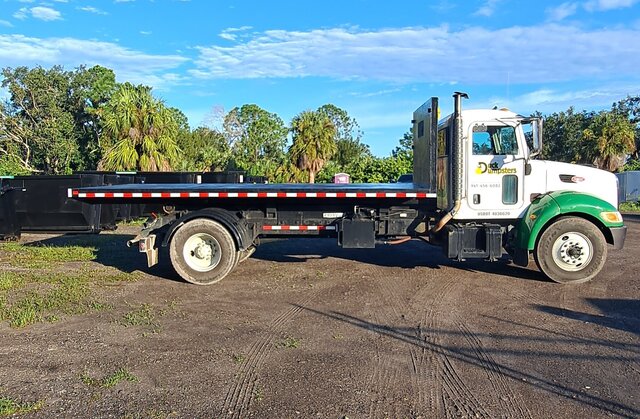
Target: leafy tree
x=202, y=150
x=313, y=142
x=257, y=139
x=141, y=131
x=630, y=108
x=608, y=140
x=37, y=130
x=633, y=164
x=563, y=136
x=348, y=136
x=90, y=91
x=405, y=149
x=51, y=121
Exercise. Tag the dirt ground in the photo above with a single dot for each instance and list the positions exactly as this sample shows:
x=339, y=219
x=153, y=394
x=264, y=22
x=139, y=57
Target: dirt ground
x=306, y=329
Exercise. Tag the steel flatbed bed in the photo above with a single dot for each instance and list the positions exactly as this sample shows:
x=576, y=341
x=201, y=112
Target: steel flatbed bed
x=224, y=190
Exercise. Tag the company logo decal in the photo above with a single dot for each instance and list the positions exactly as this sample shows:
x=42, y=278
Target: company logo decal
x=493, y=169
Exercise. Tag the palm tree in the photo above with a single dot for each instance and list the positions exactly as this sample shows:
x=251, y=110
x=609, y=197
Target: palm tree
x=313, y=142
x=142, y=131
x=609, y=139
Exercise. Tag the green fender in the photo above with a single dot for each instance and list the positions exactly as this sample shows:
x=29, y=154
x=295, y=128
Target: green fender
x=551, y=205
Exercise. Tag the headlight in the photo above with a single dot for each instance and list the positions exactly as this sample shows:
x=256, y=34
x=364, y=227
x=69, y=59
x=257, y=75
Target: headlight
x=611, y=216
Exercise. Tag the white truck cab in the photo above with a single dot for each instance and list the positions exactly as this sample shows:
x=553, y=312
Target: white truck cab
x=493, y=194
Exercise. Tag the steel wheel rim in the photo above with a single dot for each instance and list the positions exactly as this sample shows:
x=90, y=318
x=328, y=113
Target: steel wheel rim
x=572, y=251
x=201, y=252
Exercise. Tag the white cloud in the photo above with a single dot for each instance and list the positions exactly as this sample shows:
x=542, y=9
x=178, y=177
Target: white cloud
x=562, y=11
x=21, y=13
x=45, y=13
x=91, y=9
x=604, y=5
x=552, y=100
x=130, y=65
x=145, y=33
x=546, y=53
x=488, y=8
x=230, y=34
x=6, y=23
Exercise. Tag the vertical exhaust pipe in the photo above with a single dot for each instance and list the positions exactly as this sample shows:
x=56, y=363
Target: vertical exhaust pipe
x=456, y=161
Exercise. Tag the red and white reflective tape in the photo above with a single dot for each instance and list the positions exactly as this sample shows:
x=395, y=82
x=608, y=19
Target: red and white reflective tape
x=77, y=194
x=297, y=228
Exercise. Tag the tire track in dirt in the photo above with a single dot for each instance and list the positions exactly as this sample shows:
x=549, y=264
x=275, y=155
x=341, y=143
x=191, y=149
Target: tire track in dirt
x=436, y=387
x=454, y=397
x=242, y=391
x=511, y=404
x=417, y=366
x=384, y=374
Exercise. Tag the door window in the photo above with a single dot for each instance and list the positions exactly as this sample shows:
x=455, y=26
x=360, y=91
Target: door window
x=494, y=140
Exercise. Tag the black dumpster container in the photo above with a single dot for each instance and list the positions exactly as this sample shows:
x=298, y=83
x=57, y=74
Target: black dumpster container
x=168, y=177
x=223, y=177
x=44, y=204
x=9, y=225
x=256, y=179
x=112, y=213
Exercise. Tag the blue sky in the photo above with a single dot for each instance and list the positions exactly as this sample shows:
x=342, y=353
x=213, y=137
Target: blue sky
x=379, y=60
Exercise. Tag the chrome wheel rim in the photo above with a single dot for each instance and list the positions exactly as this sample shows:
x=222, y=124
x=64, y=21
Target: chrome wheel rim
x=572, y=251
x=201, y=252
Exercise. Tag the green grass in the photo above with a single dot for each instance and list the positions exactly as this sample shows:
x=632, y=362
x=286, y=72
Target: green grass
x=43, y=256
x=630, y=207
x=258, y=395
x=28, y=297
x=288, y=342
x=9, y=407
x=238, y=358
x=110, y=380
x=37, y=284
x=136, y=223
x=145, y=316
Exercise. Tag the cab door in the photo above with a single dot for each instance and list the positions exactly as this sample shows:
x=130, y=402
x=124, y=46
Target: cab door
x=496, y=170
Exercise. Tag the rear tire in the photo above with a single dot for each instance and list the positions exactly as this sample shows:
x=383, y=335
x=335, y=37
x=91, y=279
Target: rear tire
x=571, y=250
x=203, y=252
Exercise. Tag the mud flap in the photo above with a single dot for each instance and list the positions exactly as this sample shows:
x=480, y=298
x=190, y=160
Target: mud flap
x=147, y=245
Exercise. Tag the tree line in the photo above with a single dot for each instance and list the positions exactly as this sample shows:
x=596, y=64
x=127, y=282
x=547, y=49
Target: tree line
x=57, y=121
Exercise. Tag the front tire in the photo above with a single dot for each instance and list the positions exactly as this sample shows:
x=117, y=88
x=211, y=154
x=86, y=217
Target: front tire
x=571, y=250
x=203, y=252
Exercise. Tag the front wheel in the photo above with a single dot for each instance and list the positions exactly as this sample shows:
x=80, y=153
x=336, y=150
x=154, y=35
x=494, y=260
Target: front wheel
x=203, y=252
x=571, y=250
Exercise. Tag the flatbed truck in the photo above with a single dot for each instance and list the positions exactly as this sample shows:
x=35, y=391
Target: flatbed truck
x=478, y=192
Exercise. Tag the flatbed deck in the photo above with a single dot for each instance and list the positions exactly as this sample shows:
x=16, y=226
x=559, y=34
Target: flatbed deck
x=225, y=190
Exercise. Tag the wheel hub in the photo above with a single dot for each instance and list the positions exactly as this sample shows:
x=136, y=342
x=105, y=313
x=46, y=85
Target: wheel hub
x=572, y=251
x=201, y=252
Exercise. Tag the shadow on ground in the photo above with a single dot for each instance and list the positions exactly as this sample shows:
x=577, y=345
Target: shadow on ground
x=484, y=357
x=617, y=314
x=413, y=254
x=111, y=250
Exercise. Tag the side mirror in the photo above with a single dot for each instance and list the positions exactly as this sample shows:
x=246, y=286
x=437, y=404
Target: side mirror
x=536, y=130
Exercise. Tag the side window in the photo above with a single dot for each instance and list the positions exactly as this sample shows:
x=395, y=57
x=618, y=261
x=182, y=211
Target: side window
x=443, y=142
x=482, y=143
x=494, y=140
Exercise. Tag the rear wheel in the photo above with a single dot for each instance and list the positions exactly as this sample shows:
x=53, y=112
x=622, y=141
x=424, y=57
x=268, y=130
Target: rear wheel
x=203, y=252
x=571, y=250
